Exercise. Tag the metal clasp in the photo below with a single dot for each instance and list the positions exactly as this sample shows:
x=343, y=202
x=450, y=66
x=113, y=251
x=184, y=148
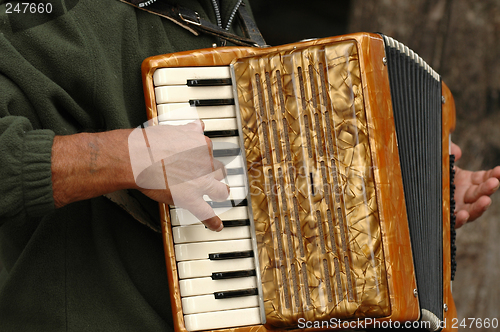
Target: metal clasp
x=190, y=20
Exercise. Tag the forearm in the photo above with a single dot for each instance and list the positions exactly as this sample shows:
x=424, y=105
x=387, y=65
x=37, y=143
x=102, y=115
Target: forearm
x=88, y=165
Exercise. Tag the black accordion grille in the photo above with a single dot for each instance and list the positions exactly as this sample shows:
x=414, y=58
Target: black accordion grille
x=416, y=99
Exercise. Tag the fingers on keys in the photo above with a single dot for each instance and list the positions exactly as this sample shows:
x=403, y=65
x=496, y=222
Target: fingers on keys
x=216, y=190
x=198, y=125
x=204, y=212
x=219, y=170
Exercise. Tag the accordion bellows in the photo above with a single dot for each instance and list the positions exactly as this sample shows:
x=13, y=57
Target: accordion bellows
x=326, y=191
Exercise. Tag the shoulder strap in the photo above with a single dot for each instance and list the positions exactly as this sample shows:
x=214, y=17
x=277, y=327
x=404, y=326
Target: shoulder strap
x=191, y=20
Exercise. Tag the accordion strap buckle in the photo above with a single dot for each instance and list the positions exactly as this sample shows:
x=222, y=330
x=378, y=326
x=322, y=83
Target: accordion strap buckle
x=191, y=18
x=192, y=21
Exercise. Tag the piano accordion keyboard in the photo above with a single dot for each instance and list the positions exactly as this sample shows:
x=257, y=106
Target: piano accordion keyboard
x=184, y=95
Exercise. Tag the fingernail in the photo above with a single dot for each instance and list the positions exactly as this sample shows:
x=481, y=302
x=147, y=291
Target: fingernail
x=220, y=227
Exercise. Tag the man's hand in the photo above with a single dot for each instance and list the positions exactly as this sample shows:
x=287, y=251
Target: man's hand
x=175, y=165
x=473, y=190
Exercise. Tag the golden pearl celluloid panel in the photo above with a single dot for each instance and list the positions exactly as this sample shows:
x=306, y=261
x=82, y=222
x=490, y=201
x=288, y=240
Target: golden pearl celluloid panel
x=312, y=185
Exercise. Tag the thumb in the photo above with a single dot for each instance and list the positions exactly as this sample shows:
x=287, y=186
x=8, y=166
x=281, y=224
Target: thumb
x=455, y=149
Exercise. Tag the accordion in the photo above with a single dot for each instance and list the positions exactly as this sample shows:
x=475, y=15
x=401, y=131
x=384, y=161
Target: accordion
x=341, y=205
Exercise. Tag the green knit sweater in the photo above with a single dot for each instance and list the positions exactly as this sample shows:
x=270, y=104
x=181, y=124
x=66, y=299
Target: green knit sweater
x=87, y=266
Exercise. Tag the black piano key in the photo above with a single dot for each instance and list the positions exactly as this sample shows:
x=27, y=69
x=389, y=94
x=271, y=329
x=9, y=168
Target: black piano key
x=228, y=203
x=226, y=152
x=211, y=102
x=209, y=82
x=221, y=133
x=236, y=222
x=233, y=274
x=236, y=293
x=230, y=255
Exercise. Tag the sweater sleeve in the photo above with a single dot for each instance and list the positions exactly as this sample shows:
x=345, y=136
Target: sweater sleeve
x=25, y=152
x=32, y=105
x=25, y=171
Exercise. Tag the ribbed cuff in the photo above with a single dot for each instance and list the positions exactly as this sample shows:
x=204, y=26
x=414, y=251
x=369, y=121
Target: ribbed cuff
x=37, y=174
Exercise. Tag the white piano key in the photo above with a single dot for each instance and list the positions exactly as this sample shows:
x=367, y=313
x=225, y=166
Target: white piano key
x=208, y=303
x=226, y=142
x=237, y=180
x=232, y=161
x=184, y=217
x=184, y=111
x=210, y=124
x=205, y=267
x=203, y=286
x=180, y=75
x=184, y=93
x=200, y=250
x=198, y=233
x=222, y=319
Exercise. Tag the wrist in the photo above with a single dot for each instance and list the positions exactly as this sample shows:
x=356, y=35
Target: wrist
x=112, y=160
x=88, y=165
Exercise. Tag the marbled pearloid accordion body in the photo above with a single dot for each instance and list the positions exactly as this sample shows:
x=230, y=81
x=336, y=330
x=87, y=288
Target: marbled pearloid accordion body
x=344, y=191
